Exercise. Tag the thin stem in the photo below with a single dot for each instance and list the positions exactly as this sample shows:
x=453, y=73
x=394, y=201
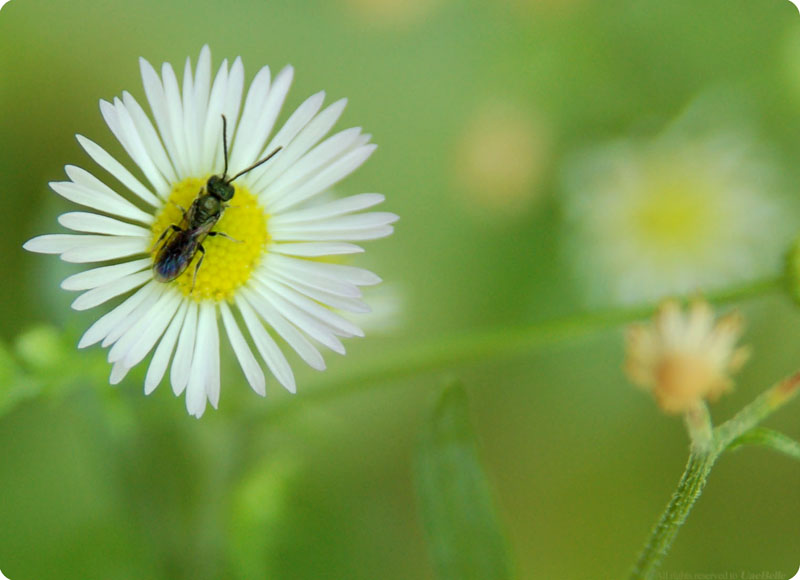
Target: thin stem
x=701, y=460
x=698, y=424
x=763, y=406
x=689, y=489
x=443, y=353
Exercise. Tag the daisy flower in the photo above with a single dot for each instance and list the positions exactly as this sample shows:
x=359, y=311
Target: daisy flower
x=685, y=358
x=269, y=276
x=684, y=211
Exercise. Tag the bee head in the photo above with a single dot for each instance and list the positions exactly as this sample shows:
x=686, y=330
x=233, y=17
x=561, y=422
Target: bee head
x=219, y=188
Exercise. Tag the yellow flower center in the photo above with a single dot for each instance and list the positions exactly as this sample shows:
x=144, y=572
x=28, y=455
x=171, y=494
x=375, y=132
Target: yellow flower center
x=675, y=216
x=227, y=263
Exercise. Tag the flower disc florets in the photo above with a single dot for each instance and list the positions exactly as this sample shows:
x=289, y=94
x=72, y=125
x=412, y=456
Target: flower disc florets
x=229, y=260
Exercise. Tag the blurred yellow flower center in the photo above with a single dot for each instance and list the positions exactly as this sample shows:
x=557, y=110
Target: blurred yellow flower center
x=674, y=216
x=227, y=263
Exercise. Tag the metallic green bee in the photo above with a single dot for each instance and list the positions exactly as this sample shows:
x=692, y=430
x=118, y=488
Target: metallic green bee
x=185, y=240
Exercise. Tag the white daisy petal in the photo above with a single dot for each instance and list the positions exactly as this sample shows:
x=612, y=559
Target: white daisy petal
x=356, y=223
x=270, y=352
x=328, y=210
x=138, y=330
x=362, y=140
x=246, y=143
x=115, y=168
x=318, y=157
x=106, y=200
x=341, y=234
x=182, y=362
x=272, y=107
x=158, y=104
x=118, y=372
x=333, y=321
x=315, y=249
x=172, y=96
x=111, y=117
x=85, y=248
x=136, y=148
x=233, y=102
x=83, y=178
x=312, y=327
x=350, y=274
x=190, y=120
x=252, y=135
x=260, y=177
x=156, y=290
x=52, y=243
x=196, y=394
x=158, y=365
x=154, y=331
x=201, y=372
x=89, y=279
x=202, y=85
x=212, y=124
x=332, y=300
x=287, y=271
x=250, y=367
x=150, y=139
x=283, y=327
x=103, y=248
x=309, y=136
x=99, y=224
x=326, y=178
x=212, y=378
x=292, y=295
x=100, y=329
x=101, y=294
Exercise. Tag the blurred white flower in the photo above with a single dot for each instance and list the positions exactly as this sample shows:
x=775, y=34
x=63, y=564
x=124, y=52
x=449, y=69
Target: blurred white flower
x=271, y=270
x=673, y=215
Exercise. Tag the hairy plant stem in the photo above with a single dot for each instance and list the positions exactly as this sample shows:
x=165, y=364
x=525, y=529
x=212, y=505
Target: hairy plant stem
x=689, y=489
x=701, y=459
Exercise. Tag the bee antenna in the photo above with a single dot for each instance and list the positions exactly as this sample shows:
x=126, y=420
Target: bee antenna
x=225, y=142
x=254, y=165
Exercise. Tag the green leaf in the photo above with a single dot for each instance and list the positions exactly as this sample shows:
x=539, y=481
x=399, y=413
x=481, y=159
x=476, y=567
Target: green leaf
x=769, y=438
x=455, y=500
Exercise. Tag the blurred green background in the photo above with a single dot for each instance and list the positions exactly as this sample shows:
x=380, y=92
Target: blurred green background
x=101, y=482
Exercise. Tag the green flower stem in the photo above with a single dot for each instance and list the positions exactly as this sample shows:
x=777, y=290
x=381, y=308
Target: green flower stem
x=698, y=424
x=763, y=406
x=689, y=488
x=444, y=353
x=701, y=460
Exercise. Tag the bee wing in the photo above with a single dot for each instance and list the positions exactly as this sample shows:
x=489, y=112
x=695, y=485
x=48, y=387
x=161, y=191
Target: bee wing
x=174, y=257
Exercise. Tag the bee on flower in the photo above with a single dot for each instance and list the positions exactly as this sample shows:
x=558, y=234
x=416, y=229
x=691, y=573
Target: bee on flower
x=231, y=224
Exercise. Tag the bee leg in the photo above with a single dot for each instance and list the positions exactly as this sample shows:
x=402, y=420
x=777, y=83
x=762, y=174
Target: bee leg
x=224, y=235
x=180, y=207
x=171, y=228
x=202, y=251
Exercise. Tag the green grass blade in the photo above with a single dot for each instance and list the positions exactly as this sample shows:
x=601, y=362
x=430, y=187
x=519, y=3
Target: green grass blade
x=464, y=534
